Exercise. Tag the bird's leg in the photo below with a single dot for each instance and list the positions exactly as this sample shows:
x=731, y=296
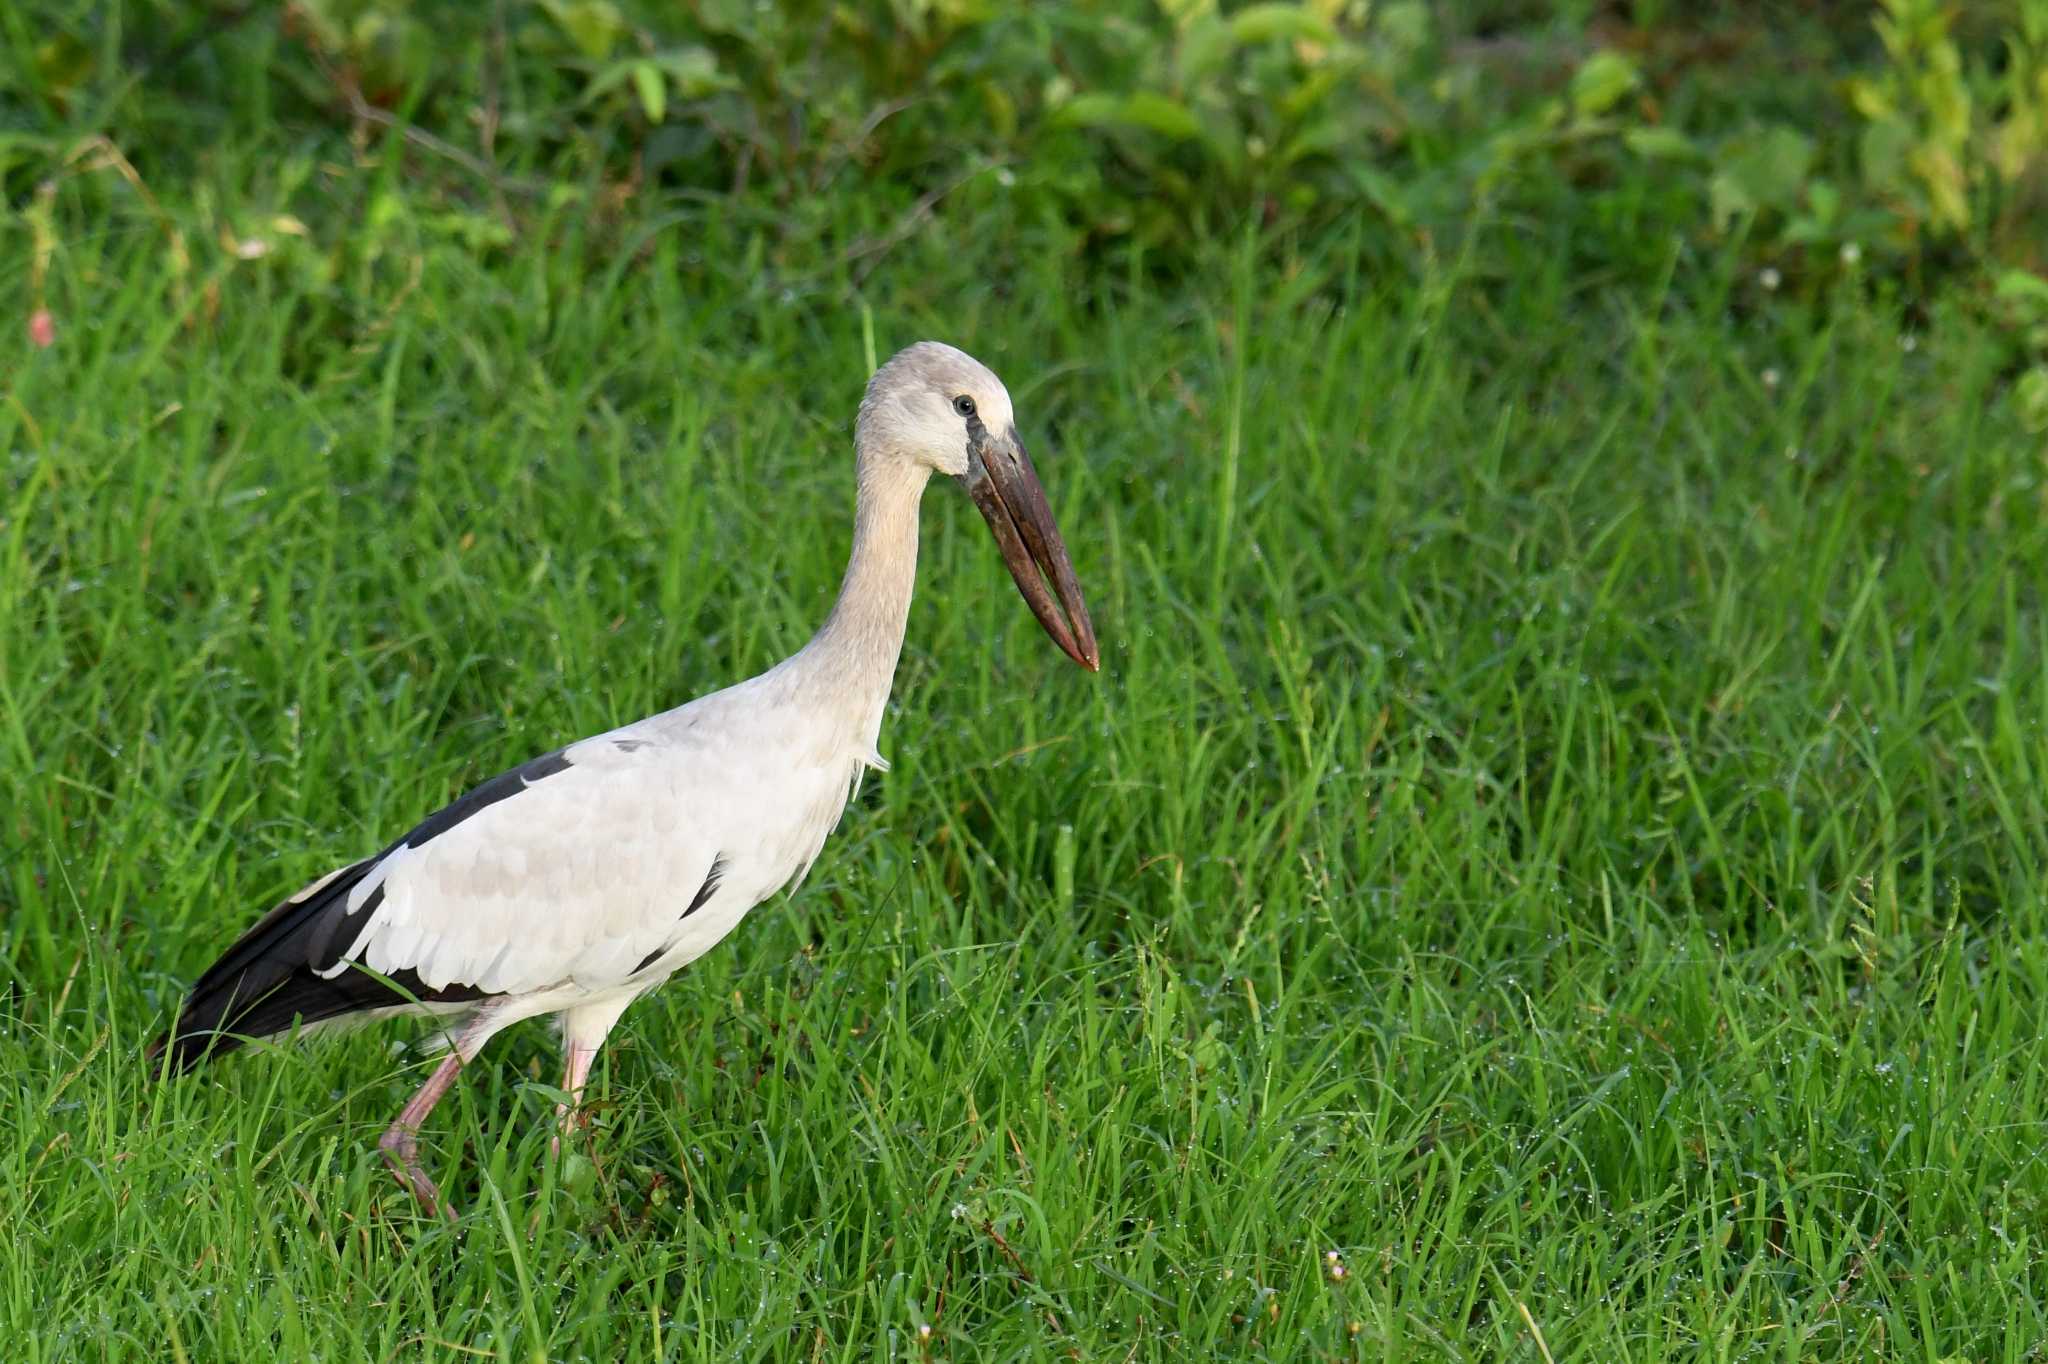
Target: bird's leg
x=584, y=1029
x=400, y=1141
x=569, y=1114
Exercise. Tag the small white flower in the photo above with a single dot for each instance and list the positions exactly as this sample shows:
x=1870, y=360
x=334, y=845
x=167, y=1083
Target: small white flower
x=1851, y=253
x=1769, y=278
x=1770, y=378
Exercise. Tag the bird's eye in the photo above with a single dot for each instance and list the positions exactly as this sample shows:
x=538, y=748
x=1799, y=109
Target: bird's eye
x=964, y=405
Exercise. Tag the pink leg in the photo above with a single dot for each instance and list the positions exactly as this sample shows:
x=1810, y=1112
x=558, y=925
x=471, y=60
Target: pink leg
x=581, y=1054
x=583, y=1031
x=400, y=1141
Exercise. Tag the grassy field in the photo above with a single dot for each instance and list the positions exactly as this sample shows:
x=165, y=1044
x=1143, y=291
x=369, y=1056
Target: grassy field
x=1551, y=869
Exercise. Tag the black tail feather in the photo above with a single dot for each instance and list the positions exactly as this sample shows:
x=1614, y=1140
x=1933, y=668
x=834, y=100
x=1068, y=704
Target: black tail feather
x=271, y=977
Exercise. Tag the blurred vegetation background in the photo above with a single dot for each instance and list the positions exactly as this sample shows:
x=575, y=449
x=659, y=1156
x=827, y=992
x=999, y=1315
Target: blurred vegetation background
x=1900, y=145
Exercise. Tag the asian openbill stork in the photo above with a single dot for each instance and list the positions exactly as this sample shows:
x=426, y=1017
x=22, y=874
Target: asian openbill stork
x=583, y=879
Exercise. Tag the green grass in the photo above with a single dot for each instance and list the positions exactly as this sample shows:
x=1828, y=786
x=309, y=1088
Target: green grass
x=1558, y=826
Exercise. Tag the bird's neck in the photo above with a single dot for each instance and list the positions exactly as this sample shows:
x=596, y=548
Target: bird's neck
x=852, y=658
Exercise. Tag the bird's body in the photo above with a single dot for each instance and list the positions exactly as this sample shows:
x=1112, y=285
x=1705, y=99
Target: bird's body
x=584, y=878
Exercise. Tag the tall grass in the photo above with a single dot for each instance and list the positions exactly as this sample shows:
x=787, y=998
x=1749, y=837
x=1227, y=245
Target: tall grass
x=1551, y=867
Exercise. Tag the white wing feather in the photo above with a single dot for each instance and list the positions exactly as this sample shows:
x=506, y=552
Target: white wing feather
x=582, y=876
x=586, y=873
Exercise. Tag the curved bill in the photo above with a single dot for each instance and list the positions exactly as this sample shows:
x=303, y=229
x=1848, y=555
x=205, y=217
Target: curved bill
x=1005, y=487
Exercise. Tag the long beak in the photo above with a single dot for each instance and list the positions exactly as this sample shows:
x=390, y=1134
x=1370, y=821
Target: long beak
x=1003, y=484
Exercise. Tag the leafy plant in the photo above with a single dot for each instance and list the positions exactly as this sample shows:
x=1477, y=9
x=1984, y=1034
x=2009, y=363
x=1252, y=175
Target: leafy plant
x=843, y=129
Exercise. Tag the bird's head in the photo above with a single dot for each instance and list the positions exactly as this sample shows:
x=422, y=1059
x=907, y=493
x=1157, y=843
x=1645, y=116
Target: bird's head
x=938, y=409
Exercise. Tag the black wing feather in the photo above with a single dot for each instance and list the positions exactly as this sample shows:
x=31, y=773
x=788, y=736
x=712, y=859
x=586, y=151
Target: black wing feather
x=271, y=976
x=704, y=892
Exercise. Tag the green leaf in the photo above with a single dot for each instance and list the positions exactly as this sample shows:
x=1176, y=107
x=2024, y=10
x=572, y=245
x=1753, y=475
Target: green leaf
x=1601, y=83
x=1096, y=109
x=652, y=87
x=1824, y=200
x=1144, y=109
x=2030, y=395
x=693, y=72
x=579, y=1173
x=1161, y=115
x=1263, y=23
x=2026, y=291
x=2023, y=284
x=1401, y=30
x=1661, y=144
x=1883, y=150
x=1945, y=181
x=1766, y=170
x=1204, y=47
x=1870, y=99
x=593, y=25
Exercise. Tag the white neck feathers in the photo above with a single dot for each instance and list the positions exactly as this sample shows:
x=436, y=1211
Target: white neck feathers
x=849, y=664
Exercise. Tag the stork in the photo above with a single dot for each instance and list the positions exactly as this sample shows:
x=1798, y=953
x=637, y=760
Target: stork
x=579, y=881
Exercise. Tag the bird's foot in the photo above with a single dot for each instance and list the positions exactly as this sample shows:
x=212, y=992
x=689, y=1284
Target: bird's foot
x=401, y=1148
